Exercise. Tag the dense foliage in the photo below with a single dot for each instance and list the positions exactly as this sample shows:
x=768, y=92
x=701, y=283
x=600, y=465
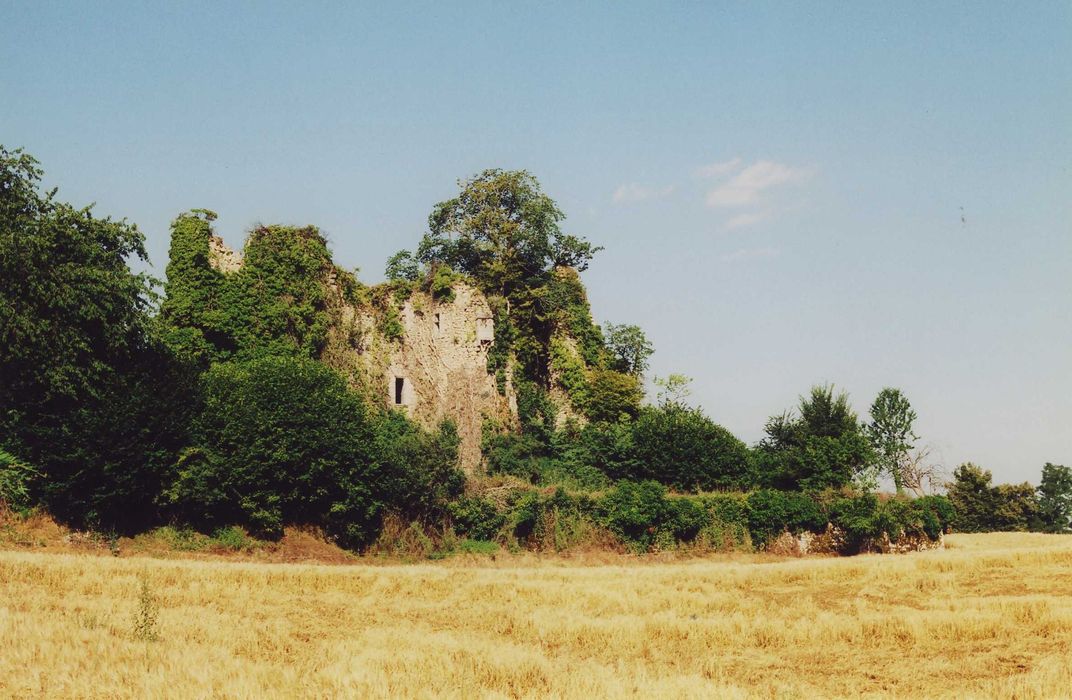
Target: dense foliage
x=645, y=517
x=821, y=446
x=276, y=303
x=984, y=507
x=88, y=396
x=214, y=410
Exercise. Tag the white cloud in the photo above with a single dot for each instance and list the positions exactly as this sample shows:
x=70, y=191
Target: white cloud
x=716, y=169
x=747, y=219
x=749, y=254
x=633, y=192
x=745, y=187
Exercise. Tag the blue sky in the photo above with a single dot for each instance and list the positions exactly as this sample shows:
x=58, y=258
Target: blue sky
x=865, y=194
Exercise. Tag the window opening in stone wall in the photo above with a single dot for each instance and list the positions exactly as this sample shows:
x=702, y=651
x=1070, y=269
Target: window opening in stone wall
x=437, y=327
x=485, y=330
x=400, y=383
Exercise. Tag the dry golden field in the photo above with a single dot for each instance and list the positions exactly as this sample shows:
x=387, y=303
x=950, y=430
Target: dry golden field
x=991, y=616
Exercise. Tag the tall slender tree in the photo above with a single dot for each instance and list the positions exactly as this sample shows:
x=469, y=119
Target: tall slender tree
x=890, y=431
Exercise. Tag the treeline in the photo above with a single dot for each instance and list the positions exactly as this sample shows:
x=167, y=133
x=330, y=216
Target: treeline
x=207, y=407
x=984, y=507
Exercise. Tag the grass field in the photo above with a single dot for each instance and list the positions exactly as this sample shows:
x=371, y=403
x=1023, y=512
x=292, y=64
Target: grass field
x=990, y=616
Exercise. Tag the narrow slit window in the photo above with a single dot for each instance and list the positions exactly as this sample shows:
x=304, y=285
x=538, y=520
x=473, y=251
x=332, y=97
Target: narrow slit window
x=400, y=383
x=437, y=327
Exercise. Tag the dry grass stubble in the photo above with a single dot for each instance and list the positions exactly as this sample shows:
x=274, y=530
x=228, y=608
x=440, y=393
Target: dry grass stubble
x=989, y=617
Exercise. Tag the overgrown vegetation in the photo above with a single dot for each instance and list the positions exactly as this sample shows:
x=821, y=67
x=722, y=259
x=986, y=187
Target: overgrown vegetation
x=210, y=412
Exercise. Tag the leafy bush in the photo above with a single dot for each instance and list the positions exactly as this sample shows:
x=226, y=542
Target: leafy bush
x=727, y=520
x=15, y=480
x=508, y=452
x=823, y=447
x=858, y=517
x=233, y=539
x=441, y=283
x=418, y=473
x=937, y=514
x=865, y=517
x=635, y=511
x=480, y=547
x=771, y=512
x=684, y=449
x=612, y=396
x=476, y=518
x=280, y=440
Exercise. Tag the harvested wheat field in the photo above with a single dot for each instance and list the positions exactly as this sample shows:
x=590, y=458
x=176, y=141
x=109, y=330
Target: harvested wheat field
x=991, y=616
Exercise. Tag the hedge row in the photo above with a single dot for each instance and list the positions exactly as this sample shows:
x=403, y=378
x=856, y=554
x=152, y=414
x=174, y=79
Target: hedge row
x=645, y=517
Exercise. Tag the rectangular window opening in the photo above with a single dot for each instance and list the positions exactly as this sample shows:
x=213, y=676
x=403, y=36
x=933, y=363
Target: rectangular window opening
x=399, y=384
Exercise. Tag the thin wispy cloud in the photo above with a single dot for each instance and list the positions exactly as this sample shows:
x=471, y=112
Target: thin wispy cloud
x=746, y=219
x=718, y=169
x=632, y=192
x=749, y=254
x=745, y=187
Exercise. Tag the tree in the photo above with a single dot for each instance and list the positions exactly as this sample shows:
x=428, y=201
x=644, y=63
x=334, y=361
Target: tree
x=1055, y=498
x=983, y=507
x=612, y=395
x=1016, y=508
x=87, y=394
x=505, y=233
x=281, y=440
x=973, y=498
x=402, y=266
x=822, y=445
x=674, y=389
x=890, y=431
x=919, y=473
x=681, y=447
x=70, y=309
x=629, y=347
x=503, y=230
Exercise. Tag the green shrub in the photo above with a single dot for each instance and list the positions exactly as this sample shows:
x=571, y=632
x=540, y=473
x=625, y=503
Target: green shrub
x=234, y=539
x=727, y=520
x=682, y=448
x=481, y=547
x=508, y=452
x=635, y=511
x=180, y=539
x=441, y=284
x=418, y=470
x=938, y=514
x=858, y=518
x=686, y=518
x=15, y=480
x=612, y=396
x=281, y=440
x=476, y=518
x=771, y=512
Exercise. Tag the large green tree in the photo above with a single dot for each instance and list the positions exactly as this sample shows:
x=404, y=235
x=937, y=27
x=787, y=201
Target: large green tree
x=280, y=440
x=822, y=445
x=70, y=309
x=973, y=497
x=506, y=234
x=503, y=230
x=87, y=394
